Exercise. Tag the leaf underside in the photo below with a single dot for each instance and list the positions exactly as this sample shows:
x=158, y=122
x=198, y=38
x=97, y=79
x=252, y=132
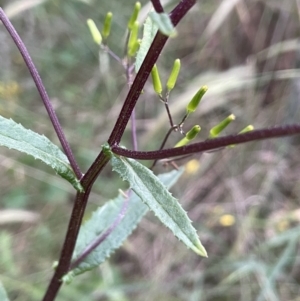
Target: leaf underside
x=149, y=32
x=153, y=193
x=104, y=217
x=163, y=23
x=15, y=136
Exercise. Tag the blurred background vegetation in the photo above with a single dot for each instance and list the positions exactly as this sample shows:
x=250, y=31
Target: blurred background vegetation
x=243, y=201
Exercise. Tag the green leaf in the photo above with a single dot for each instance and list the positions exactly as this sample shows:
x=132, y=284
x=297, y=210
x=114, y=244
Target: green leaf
x=3, y=295
x=149, y=32
x=164, y=23
x=153, y=193
x=15, y=136
x=104, y=217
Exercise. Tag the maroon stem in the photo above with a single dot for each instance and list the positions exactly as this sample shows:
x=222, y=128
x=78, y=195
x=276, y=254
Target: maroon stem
x=115, y=137
x=157, y=6
x=138, y=84
x=41, y=88
x=273, y=132
x=91, y=247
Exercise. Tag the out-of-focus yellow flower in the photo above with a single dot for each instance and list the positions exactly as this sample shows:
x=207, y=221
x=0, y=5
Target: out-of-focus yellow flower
x=227, y=220
x=192, y=167
x=283, y=225
x=9, y=90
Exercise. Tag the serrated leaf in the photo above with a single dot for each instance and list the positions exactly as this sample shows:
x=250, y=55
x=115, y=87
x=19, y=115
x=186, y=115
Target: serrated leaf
x=149, y=32
x=103, y=218
x=156, y=196
x=3, y=295
x=15, y=136
x=164, y=23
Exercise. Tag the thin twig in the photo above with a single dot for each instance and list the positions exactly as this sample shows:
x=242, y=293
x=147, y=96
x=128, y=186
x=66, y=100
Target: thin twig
x=163, y=144
x=90, y=248
x=43, y=93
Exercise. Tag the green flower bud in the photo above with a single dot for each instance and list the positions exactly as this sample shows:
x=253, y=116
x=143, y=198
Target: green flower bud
x=156, y=80
x=216, y=130
x=107, y=25
x=133, y=39
x=193, y=104
x=190, y=135
x=94, y=31
x=248, y=128
x=135, y=13
x=174, y=74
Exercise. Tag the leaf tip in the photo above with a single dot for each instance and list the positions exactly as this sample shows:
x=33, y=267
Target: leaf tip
x=200, y=250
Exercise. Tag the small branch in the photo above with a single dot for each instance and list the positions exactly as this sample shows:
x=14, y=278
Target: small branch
x=43, y=93
x=169, y=114
x=106, y=49
x=163, y=144
x=157, y=6
x=274, y=132
x=102, y=237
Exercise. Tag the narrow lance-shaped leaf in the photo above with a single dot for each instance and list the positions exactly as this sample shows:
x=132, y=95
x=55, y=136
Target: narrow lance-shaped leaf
x=15, y=136
x=149, y=33
x=104, y=217
x=164, y=23
x=153, y=193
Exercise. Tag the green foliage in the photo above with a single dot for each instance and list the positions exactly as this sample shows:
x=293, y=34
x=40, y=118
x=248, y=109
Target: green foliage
x=149, y=32
x=15, y=136
x=163, y=23
x=153, y=193
x=104, y=217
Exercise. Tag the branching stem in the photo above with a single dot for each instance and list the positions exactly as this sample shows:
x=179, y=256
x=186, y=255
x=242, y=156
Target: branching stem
x=211, y=144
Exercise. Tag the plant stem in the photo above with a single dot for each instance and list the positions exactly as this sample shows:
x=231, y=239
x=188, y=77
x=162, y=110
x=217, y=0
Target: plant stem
x=43, y=93
x=134, y=93
x=138, y=84
x=90, y=248
x=273, y=132
x=68, y=246
x=157, y=6
x=71, y=236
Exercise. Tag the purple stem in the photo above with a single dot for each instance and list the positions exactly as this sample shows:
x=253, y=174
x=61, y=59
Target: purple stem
x=102, y=237
x=157, y=6
x=273, y=132
x=138, y=84
x=40, y=86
